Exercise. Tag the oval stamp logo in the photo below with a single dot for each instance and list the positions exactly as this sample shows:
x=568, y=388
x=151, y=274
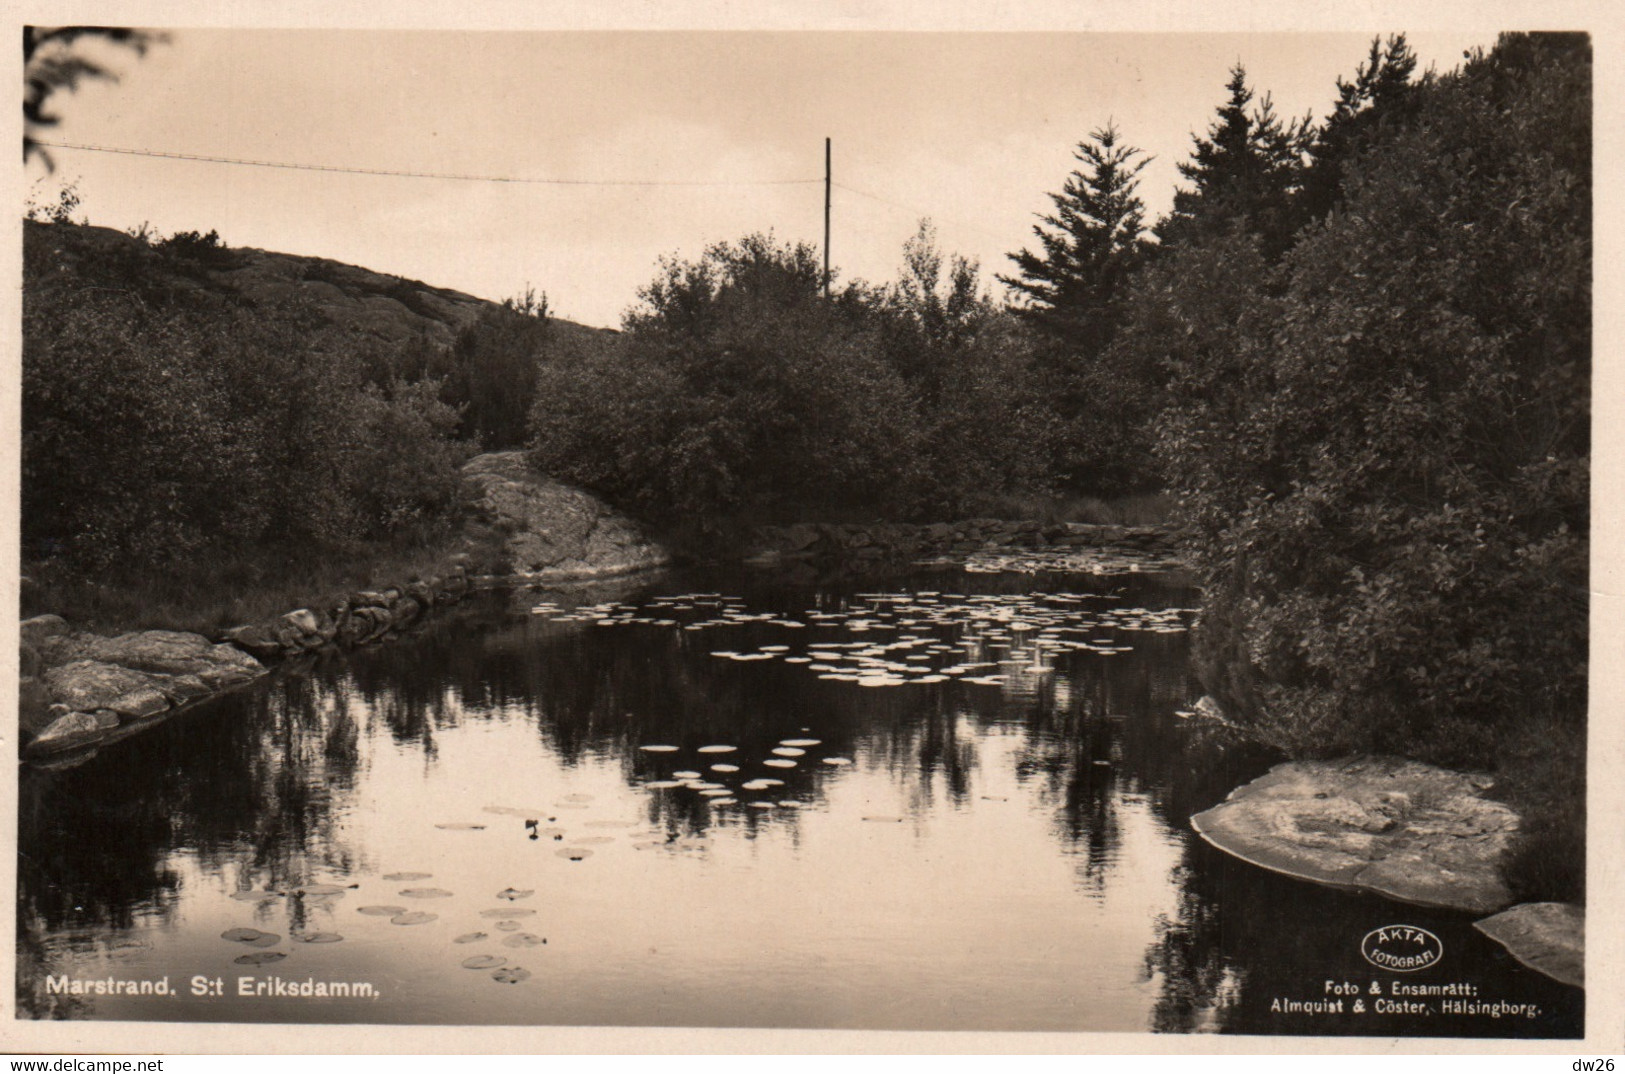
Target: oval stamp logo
x=1402, y=948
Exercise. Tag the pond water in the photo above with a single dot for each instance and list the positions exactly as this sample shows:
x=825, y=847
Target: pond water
x=946, y=800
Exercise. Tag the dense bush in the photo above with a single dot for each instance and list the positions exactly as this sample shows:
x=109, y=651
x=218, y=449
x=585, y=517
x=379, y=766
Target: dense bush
x=1383, y=439
x=739, y=392
x=161, y=422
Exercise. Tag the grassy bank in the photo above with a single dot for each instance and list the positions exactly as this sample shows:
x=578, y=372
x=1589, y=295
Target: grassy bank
x=214, y=592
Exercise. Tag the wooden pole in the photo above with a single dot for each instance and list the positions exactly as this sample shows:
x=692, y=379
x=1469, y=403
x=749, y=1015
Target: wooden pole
x=826, y=217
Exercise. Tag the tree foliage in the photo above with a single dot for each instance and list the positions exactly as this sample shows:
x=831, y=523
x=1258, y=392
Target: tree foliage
x=1089, y=246
x=55, y=59
x=740, y=392
x=1386, y=461
x=161, y=421
x=1244, y=174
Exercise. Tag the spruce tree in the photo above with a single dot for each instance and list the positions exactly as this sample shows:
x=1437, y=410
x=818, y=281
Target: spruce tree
x=1090, y=245
x=1244, y=173
x=1381, y=94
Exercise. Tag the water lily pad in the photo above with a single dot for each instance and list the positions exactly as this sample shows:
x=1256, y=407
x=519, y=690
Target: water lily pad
x=510, y=975
x=761, y=805
x=514, y=893
x=246, y=935
x=716, y=792
x=381, y=911
x=508, y=911
x=724, y=768
x=662, y=784
x=260, y=958
x=685, y=774
x=837, y=760
x=470, y=937
x=403, y=877
x=461, y=826
x=320, y=889
x=886, y=820
x=255, y=896
x=801, y=742
x=483, y=962
x=789, y=804
x=319, y=937
x=523, y=939
x=425, y=893
x=414, y=917
x=575, y=853
x=788, y=751
x=507, y=926
x=717, y=749
x=779, y=762
x=658, y=749
x=722, y=801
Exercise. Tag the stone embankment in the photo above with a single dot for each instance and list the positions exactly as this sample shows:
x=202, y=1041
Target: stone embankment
x=362, y=617
x=79, y=690
x=1399, y=829
x=880, y=541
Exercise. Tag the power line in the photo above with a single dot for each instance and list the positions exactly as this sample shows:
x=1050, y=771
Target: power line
x=420, y=175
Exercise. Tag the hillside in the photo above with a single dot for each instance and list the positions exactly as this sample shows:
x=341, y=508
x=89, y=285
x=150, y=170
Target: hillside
x=391, y=308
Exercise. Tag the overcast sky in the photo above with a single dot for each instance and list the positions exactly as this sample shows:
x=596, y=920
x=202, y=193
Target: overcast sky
x=970, y=129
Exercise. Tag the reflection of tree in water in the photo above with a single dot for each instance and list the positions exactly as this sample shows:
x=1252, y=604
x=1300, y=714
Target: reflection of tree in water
x=249, y=783
x=1188, y=962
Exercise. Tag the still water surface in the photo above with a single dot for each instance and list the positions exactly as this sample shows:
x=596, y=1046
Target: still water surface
x=949, y=801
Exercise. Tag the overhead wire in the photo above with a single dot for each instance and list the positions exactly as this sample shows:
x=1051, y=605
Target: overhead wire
x=166, y=155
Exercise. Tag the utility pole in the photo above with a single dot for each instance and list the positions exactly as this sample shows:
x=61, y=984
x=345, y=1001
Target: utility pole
x=826, y=218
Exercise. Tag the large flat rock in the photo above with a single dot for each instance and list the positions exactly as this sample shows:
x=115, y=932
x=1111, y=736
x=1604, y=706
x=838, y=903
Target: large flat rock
x=1548, y=937
x=90, y=685
x=1400, y=829
x=556, y=531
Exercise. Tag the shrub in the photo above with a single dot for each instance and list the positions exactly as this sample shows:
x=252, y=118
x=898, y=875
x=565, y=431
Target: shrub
x=161, y=423
x=1383, y=443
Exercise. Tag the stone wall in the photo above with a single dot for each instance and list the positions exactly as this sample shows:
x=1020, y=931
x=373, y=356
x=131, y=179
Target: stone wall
x=79, y=690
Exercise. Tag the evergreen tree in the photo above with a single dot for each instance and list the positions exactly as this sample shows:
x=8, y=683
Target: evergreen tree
x=1382, y=93
x=1090, y=245
x=1245, y=173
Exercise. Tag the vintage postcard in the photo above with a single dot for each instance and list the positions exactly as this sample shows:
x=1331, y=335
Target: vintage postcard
x=1029, y=531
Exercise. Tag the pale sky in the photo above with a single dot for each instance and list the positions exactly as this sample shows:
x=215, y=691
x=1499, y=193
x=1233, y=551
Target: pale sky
x=970, y=129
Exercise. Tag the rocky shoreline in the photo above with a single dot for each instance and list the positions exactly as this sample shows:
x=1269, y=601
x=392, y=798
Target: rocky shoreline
x=78, y=690
x=1402, y=830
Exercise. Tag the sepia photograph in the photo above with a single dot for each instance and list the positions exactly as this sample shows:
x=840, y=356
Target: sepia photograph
x=1067, y=532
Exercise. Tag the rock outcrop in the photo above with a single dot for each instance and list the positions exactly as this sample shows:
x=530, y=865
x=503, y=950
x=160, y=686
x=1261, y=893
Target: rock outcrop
x=1548, y=937
x=554, y=532
x=91, y=689
x=1400, y=829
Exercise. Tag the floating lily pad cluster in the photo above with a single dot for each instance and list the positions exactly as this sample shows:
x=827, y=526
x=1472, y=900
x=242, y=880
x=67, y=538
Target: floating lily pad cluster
x=1101, y=562
x=924, y=638
x=502, y=967
x=725, y=783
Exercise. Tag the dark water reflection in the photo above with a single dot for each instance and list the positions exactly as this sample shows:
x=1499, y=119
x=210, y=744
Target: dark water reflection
x=1010, y=854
